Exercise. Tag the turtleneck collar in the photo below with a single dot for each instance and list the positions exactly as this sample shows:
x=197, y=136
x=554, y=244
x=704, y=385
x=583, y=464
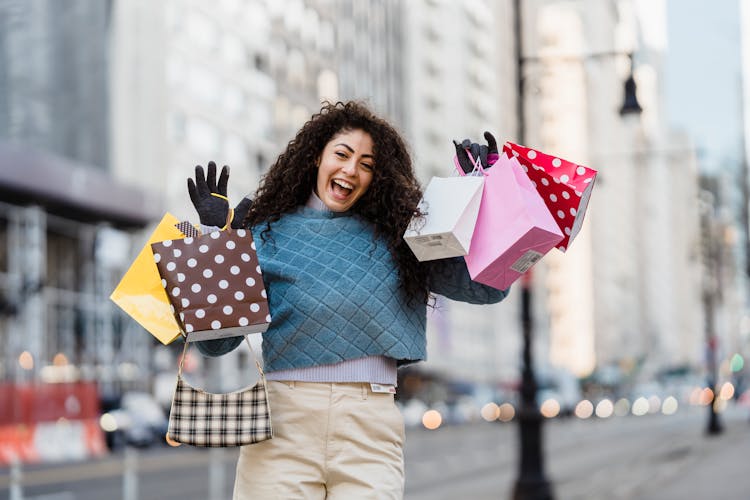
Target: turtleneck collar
x=315, y=203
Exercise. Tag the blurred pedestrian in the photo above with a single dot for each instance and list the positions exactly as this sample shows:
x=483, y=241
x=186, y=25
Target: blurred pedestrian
x=348, y=303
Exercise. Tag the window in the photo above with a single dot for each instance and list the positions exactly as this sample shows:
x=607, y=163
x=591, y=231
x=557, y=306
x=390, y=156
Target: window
x=176, y=127
x=328, y=85
x=176, y=72
x=261, y=162
x=326, y=41
x=232, y=50
x=203, y=137
x=293, y=15
x=202, y=31
x=234, y=100
x=260, y=63
x=296, y=68
x=235, y=150
x=204, y=85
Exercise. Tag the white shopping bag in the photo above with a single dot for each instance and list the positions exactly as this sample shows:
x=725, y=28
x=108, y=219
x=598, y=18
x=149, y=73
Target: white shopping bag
x=452, y=206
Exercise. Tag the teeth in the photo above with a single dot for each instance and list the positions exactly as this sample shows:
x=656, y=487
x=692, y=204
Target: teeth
x=343, y=184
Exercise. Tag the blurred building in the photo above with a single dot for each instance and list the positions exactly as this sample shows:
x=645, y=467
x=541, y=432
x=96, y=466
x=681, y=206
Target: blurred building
x=626, y=294
x=106, y=107
x=64, y=218
x=459, y=80
x=369, y=45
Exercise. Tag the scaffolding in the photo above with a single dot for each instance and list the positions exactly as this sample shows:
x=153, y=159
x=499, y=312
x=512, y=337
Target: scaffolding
x=57, y=323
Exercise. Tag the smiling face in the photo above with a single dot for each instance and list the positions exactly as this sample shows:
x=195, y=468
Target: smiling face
x=345, y=169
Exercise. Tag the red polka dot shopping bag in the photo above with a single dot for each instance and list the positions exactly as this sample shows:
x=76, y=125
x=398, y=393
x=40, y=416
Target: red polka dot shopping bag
x=214, y=284
x=565, y=187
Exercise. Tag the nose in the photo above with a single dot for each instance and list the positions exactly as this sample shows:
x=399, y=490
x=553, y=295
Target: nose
x=350, y=167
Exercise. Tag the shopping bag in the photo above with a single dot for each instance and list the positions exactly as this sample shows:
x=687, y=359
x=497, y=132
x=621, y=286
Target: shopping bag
x=140, y=292
x=202, y=418
x=565, y=187
x=451, y=205
x=214, y=284
x=514, y=229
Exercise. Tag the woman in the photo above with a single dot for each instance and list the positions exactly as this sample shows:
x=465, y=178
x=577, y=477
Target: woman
x=348, y=301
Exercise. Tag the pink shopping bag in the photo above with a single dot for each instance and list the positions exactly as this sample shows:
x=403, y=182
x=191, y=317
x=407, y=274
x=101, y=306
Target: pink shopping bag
x=514, y=229
x=565, y=187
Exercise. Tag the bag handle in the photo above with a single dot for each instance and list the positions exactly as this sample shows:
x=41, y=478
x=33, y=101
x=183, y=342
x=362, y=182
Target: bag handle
x=478, y=168
x=257, y=362
x=230, y=217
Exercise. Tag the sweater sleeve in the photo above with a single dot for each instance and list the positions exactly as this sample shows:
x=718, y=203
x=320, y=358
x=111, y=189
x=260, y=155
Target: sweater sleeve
x=218, y=347
x=450, y=278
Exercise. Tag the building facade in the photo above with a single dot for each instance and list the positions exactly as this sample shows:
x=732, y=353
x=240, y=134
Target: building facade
x=65, y=219
x=120, y=100
x=625, y=295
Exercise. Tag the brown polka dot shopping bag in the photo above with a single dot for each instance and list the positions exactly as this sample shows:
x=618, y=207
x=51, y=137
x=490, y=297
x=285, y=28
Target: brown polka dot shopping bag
x=565, y=187
x=214, y=284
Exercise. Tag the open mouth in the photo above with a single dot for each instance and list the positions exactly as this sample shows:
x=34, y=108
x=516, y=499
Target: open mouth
x=341, y=189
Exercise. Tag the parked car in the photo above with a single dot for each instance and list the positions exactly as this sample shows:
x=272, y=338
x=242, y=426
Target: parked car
x=560, y=385
x=138, y=421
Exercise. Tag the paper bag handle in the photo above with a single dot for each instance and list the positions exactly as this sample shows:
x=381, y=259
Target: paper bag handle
x=477, y=166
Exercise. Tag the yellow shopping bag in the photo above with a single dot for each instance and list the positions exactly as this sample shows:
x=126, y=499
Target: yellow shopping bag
x=140, y=292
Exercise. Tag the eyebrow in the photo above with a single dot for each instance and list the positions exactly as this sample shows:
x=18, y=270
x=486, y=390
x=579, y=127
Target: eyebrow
x=352, y=151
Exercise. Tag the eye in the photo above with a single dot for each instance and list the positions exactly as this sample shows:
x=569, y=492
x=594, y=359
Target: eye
x=340, y=154
x=366, y=166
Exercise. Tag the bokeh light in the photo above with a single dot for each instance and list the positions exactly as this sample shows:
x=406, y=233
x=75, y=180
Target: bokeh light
x=727, y=391
x=720, y=405
x=490, y=412
x=107, y=422
x=622, y=407
x=550, y=408
x=670, y=405
x=26, y=360
x=584, y=409
x=507, y=412
x=695, y=396
x=640, y=407
x=432, y=419
x=737, y=363
x=604, y=408
x=654, y=404
x=60, y=359
x=707, y=395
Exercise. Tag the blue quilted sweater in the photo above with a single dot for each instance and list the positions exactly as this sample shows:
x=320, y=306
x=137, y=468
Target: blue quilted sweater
x=333, y=292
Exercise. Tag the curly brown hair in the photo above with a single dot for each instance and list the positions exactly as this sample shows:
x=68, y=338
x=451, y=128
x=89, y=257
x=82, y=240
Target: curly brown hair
x=389, y=203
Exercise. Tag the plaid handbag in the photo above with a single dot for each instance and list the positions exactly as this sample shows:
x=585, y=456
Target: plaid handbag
x=201, y=418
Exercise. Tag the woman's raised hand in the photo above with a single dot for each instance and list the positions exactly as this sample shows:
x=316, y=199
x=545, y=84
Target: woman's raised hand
x=209, y=198
x=486, y=153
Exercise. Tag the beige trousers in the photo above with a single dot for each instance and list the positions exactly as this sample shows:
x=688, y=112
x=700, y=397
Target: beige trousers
x=331, y=441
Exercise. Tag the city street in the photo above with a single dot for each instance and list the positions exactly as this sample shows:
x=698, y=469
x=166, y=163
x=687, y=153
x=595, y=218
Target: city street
x=652, y=457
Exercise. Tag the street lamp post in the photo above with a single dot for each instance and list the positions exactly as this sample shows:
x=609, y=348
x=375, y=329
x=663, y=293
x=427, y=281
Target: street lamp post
x=711, y=260
x=532, y=483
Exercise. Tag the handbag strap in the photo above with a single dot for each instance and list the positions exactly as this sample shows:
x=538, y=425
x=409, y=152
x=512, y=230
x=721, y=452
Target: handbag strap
x=228, y=226
x=257, y=362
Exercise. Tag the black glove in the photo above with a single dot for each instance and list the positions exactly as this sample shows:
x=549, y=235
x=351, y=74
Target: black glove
x=477, y=151
x=212, y=210
x=240, y=211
